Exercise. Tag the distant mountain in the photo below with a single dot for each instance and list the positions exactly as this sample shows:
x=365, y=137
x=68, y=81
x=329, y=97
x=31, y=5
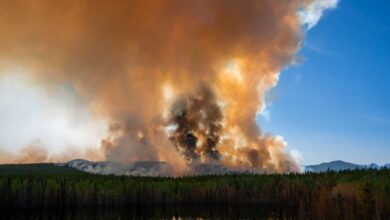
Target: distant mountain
x=334, y=166
x=339, y=165
x=140, y=168
x=373, y=166
x=150, y=168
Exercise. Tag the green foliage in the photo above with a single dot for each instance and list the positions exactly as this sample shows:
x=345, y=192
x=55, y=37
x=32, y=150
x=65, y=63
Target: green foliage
x=363, y=194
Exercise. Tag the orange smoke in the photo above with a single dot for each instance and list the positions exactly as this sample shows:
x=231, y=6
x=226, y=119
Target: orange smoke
x=132, y=60
x=36, y=153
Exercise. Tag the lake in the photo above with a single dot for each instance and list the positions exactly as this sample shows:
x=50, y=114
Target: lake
x=153, y=212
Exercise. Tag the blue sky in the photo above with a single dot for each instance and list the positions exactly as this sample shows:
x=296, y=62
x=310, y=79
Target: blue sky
x=336, y=103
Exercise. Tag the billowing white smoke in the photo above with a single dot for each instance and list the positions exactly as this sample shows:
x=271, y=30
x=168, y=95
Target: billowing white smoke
x=135, y=62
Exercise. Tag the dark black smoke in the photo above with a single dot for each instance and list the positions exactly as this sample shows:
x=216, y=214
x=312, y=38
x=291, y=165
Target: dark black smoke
x=197, y=123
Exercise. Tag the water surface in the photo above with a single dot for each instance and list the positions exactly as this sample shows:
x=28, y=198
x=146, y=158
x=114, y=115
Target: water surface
x=149, y=212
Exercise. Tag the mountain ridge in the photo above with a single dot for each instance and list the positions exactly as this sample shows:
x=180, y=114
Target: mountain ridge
x=161, y=168
x=339, y=165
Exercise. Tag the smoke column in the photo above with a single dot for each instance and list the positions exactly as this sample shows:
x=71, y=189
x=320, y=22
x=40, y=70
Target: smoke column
x=178, y=80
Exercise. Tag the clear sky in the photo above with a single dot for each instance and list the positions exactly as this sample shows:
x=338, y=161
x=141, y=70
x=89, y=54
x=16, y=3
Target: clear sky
x=336, y=103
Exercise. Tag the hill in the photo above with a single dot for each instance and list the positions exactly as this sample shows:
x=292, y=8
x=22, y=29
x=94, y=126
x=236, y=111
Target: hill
x=333, y=166
x=340, y=165
x=150, y=168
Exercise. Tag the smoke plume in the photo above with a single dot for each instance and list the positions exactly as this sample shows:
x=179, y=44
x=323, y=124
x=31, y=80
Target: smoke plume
x=196, y=125
x=178, y=80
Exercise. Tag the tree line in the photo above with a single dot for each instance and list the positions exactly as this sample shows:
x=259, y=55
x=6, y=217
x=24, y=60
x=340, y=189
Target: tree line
x=360, y=194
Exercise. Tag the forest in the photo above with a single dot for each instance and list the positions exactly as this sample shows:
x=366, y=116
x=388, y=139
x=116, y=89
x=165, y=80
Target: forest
x=357, y=194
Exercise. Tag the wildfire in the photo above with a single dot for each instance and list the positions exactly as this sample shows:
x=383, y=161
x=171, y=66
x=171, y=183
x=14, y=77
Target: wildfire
x=177, y=81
